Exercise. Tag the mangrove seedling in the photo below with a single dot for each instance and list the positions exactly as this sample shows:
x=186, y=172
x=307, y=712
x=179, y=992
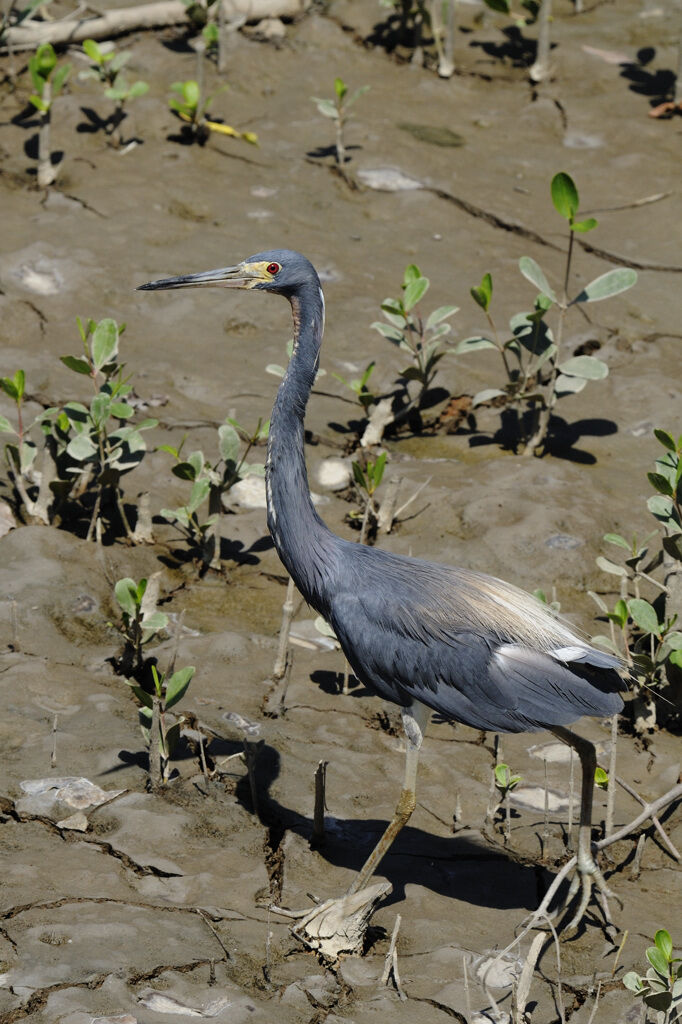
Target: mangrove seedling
x=537, y=374
x=359, y=387
x=366, y=481
x=211, y=482
x=505, y=782
x=191, y=107
x=139, y=622
x=424, y=339
x=338, y=110
x=107, y=68
x=98, y=440
x=32, y=485
x=661, y=987
x=161, y=732
x=48, y=80
x=644, y=631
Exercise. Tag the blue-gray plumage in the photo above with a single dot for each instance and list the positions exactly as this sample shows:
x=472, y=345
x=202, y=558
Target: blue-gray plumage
x=422, y=635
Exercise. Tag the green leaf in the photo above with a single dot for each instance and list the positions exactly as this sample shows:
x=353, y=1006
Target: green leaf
x=440, y=314
x=473, y=344
x=138, y=89
x=359, y=476
x=5, y=426
x=326, y=107
x=144, y=698
x=661, y=484
x=533, y=273
x=605, y=641
x=664, y=943
x=228, y=443
x=482, y=295
x=198, y=494
x=356, y=96
x=657, y=960
x=661, y=507
x=340, y=87
x=125, y=592
x=601, y=778
x=39, y=103
x=583, y=226
x=606, y=565
x=666, y=439
x=564, y=195
x=415, y=291
x=613, y=282
x=191, y=93
x=673, y=546
x=154, y=622
x=100, y=407
x=565, y=385
x=676, y=659
x=633, y=982
x=487, y=395
x=587, y=367
x=76, y=364
x=92, y=50
x=81, y=448
x=391, y=333
x=121, y=410
x=59, y=77
x=644, y=615
x=615, y=538
x=412, y=273
x=104, y=342
x=176, y=686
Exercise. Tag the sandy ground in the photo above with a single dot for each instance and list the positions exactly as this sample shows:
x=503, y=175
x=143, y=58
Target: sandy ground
x=158, y=911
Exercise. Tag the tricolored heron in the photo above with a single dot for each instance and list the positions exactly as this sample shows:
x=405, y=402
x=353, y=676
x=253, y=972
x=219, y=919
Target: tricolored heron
x=424, y=636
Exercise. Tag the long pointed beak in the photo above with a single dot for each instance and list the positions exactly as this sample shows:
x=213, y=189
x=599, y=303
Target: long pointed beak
x=240, y=276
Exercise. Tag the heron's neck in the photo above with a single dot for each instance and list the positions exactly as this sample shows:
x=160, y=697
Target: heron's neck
x=304, y=543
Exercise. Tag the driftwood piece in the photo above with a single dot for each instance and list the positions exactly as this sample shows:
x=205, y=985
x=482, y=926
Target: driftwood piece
x=31, y=34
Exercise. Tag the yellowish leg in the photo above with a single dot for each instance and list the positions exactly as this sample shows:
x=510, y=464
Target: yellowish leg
x=415, y=720
x=587, y=870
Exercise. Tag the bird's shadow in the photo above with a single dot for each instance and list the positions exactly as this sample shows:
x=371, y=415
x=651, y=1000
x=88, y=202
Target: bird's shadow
x=454, y=866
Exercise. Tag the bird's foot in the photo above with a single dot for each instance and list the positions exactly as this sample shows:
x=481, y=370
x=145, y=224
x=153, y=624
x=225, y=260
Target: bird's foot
x=588, y=879
x=337, y=925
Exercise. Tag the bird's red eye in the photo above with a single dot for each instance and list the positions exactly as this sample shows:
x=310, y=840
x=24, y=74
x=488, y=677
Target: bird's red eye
x=273, y=268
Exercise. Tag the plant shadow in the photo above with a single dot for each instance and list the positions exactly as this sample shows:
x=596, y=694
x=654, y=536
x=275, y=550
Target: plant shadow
x=658, y=84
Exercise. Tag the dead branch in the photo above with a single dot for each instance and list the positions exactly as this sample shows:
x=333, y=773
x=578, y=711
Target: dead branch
x=30, y=34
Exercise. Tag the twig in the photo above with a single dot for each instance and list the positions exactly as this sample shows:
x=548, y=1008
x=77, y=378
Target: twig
x=620, y=950
x=636, y=868
x=654, y=820
x=391, y=962
x=526, y=978
x=204, y=918
x=596, y=1004
x=287, y=615
x=409, y=501
x=155, y=745
x=53, y=757
x=467, y=993
x=317, y=838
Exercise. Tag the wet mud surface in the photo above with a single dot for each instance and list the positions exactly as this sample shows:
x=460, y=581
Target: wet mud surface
x=158, y=910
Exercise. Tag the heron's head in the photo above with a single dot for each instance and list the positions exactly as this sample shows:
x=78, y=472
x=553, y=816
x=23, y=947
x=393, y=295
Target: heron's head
x=278, y=270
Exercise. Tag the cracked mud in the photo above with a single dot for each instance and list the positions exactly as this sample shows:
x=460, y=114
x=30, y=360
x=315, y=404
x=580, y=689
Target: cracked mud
x=154, y=907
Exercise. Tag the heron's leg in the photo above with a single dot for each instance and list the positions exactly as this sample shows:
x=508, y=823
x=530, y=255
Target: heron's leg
x=415, y=720
x=588, y=871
